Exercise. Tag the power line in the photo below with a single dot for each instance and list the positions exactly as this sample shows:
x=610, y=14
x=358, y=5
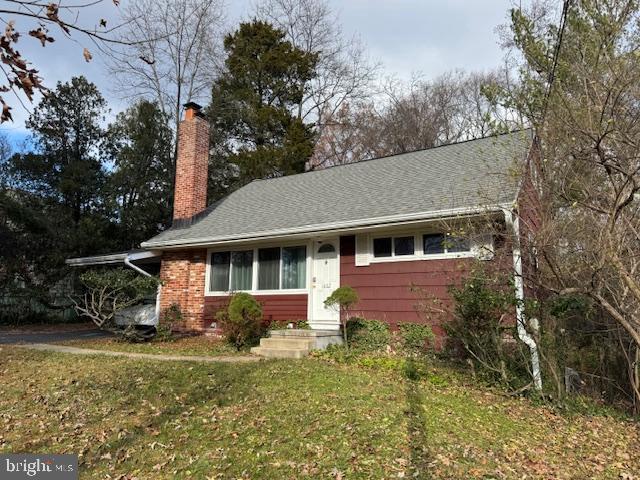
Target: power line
x=556, y=55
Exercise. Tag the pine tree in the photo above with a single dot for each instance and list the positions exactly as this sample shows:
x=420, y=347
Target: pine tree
x=254, y=132
x=140, y=188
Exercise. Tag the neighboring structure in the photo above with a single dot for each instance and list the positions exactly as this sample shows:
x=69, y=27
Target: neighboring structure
x=379, y=226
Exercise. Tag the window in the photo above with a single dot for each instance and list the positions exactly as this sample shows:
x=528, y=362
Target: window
x=231, y=271
x=268, y=268
x=220, y=269
x=327, y=248
x=294, y=267
x=435, y=243
x=241, y=270
x=382, y=247
x=277, y=268
x=393, y=246
x=403, y=246
x=456, y=243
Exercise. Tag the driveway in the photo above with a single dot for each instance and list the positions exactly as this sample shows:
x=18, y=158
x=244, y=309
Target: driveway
x=9, y=337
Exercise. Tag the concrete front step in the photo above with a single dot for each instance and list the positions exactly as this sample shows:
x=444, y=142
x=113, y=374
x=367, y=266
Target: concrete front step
x=280, y=352
x=300, y=332
x=295, y=343
x=288, y=342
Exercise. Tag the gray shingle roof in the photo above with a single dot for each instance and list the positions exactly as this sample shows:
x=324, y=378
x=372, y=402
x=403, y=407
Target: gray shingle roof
x=456, y=176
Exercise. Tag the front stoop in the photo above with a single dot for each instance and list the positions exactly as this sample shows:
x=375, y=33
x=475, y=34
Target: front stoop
x=295, y=343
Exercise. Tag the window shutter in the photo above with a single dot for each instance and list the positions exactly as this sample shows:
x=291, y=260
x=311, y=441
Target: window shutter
x=482, y=246
x=362, y=250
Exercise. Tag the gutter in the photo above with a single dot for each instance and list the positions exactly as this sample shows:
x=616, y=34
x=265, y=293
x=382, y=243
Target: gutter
x=337, y=227
x=513, y=222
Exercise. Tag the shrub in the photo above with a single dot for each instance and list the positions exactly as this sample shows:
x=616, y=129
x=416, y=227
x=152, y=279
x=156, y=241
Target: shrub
x=482, y=308
x=342, y=299
x=368, y=335
x=171, y=317
x=415, y=338
x=241, y=324
x=110, y=290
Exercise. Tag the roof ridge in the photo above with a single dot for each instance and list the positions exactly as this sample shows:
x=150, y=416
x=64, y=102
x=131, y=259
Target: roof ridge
x=350, y=164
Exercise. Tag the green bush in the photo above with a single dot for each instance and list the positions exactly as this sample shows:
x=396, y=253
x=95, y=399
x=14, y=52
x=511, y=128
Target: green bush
x=335, y=354
x=241, y=324
x=483, y=307
x=368, y=335
x=342, y=299
x=415, y=338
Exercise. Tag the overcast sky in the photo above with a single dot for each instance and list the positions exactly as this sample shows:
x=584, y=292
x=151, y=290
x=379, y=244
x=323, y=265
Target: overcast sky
x=427, y=36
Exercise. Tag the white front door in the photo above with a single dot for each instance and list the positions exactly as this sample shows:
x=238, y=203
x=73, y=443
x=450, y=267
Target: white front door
x=325, y=279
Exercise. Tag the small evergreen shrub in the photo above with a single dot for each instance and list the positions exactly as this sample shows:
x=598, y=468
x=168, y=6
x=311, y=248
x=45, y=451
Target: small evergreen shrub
x=415, y=338
x=368, y=335
x=241, y=324
x=343, y=299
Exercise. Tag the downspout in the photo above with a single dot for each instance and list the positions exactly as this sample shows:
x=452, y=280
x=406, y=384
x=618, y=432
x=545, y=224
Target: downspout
x=513, y=222
x=127, y=262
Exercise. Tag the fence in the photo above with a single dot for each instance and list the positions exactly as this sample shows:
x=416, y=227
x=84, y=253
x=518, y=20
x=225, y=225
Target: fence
x=16, y=309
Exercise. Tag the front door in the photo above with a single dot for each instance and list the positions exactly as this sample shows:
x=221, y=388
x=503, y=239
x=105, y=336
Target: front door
x=325, y=279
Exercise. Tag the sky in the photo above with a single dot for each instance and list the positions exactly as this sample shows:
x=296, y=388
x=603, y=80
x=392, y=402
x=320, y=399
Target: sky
x=429, y=37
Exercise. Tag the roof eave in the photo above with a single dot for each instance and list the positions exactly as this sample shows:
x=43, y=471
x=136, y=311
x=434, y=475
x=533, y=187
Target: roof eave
x=337, y=227
x=110, y=259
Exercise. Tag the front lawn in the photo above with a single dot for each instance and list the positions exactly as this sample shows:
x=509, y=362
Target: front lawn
x=188, y=345
x=292, y=419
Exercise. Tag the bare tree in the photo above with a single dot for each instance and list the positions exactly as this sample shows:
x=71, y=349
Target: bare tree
x=174, y=52
x=581, y=88
x=344, y=73
x=37, y=19
x=413, y=115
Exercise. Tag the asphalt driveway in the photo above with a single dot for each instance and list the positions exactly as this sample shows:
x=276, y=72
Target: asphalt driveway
x=9, y=337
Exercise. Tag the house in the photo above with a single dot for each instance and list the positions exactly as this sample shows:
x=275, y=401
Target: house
x=380, y=226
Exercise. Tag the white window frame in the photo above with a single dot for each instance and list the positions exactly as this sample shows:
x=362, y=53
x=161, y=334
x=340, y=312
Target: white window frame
x=394, y=257
x=418, y=248
x=254, y=270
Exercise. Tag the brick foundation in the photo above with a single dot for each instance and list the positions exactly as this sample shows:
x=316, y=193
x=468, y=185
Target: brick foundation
x=183, y=278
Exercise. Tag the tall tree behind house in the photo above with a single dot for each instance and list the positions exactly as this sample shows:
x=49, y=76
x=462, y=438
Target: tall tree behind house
x=254, y=133
x=140, y=187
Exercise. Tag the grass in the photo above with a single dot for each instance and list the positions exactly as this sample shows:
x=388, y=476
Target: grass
x=292, y=419
x=189, y=345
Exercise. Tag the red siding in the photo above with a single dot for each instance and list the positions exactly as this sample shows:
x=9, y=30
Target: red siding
x=385, y=288
x=274, y=307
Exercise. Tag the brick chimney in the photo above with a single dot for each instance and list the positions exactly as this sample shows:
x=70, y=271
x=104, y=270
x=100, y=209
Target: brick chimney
x=190, y=195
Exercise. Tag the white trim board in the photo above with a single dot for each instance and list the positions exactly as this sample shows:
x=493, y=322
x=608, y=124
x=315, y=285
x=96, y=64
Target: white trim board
x=330, y=229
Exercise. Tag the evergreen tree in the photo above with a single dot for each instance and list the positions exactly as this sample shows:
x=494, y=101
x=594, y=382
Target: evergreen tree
x=254, y=133
x=52, y=201
x=140, y=189
x=67, y=166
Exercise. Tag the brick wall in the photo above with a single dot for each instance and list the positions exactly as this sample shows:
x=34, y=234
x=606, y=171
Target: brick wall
x=183, y=278
x=183, y=272
x=190, y=195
